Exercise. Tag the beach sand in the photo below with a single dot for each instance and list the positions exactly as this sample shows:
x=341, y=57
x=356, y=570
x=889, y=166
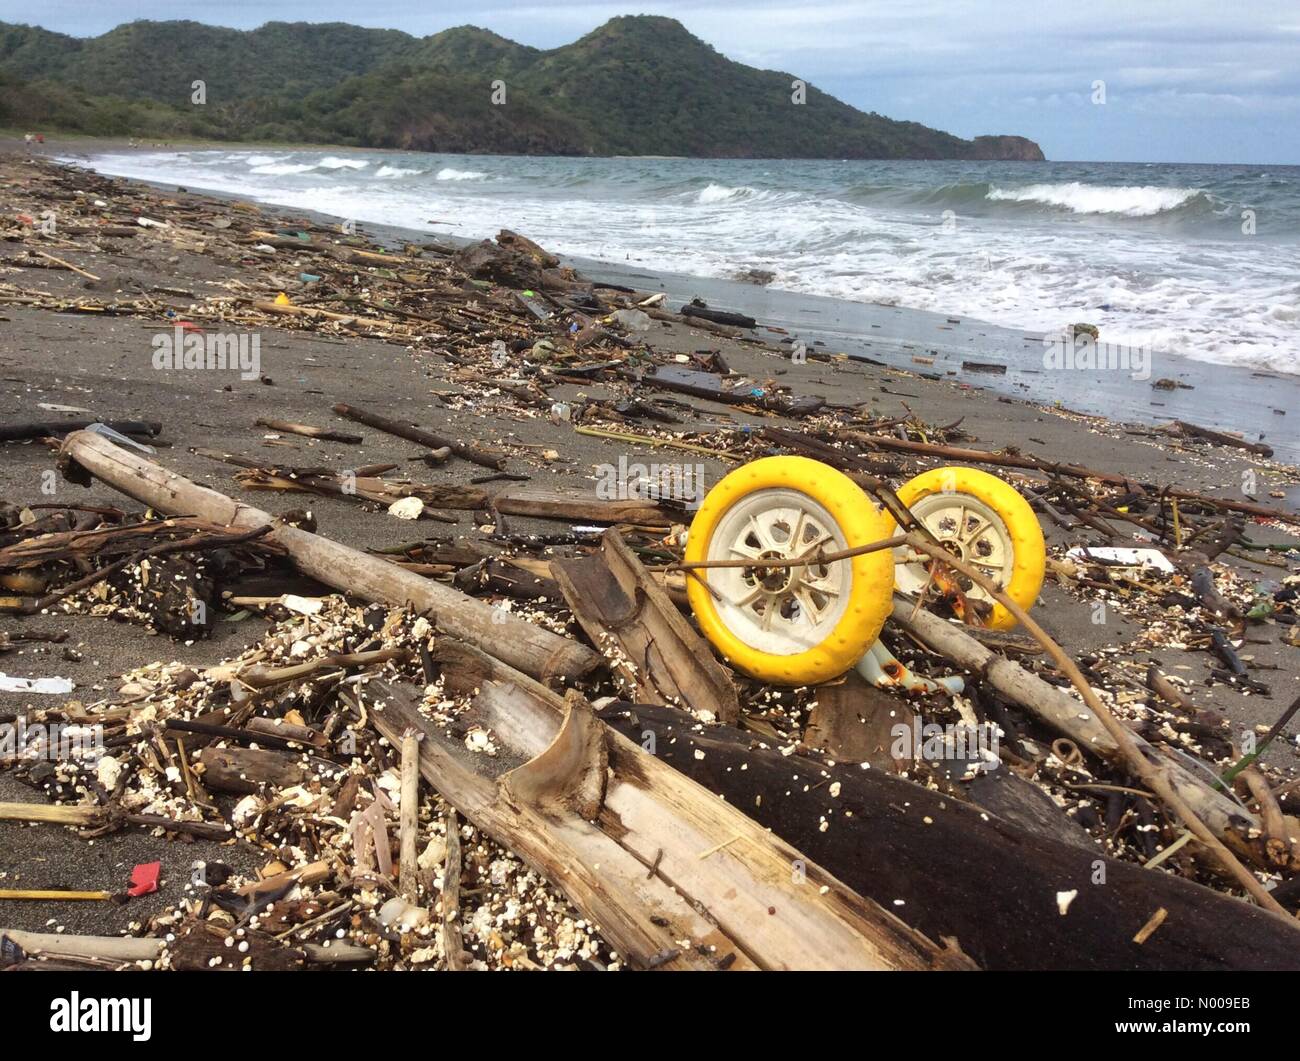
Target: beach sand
x=104, y=364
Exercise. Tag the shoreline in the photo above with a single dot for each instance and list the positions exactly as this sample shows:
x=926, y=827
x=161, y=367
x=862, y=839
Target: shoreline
x=1239, y=399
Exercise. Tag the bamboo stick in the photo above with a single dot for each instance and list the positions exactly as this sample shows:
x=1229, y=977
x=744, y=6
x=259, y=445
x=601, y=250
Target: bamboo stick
x=40, y=812
x=53, y=895
x=408, y=865
x=67, y=265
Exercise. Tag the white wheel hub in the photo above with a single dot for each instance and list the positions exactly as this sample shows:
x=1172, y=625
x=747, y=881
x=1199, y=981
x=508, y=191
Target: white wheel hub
x=967, y=528
x=780, y=610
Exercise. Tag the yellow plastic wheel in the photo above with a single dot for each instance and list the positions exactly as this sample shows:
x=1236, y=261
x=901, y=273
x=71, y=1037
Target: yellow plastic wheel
x=983, y=521
x=794, y=625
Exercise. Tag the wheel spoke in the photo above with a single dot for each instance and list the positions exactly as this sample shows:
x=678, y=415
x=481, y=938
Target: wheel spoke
x=981, y=527
x=796, y=535
x=972, y=529
x=821, y=586
x=761, y=533
x=813, y=545
x=807, y=606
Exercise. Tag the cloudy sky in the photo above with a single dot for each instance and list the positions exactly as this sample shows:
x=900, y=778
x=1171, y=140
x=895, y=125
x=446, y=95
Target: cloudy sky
x=1184, y=80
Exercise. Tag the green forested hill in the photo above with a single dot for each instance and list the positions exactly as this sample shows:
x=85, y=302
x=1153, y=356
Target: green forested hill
x=636, y=85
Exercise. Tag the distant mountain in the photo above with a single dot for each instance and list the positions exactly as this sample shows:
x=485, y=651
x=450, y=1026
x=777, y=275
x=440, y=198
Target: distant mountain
x=638, y=85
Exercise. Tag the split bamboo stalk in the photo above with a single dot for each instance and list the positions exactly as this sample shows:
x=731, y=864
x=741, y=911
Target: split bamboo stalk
x=646, y=853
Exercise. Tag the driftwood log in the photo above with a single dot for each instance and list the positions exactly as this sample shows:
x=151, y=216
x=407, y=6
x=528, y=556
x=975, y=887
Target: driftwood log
x=409, y=811
x=963, y=873
x=655, y=313
x=852, y=721
x=102, y=543
x=130, y=949
x=452, y=941
x=487, y=458
x=81, y=815
x=108, y=948
x=246, y=770
x=531, y=648
x=1222, y=438
x=718, y=316
x=59, y=428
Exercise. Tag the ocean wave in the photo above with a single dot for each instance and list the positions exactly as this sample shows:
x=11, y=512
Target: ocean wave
x=1126, y=200
x=958, y=195
x=334, y=162
x=1161, y=264
x=717, y=193
x=450, y=173
x=282, y=169
x=955, y=194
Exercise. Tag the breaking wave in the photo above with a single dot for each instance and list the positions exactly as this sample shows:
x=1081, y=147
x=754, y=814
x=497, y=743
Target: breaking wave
x=334, y=162
x=449, y=173
x=717, y=193
x=282, y=169
x=1125, y=200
